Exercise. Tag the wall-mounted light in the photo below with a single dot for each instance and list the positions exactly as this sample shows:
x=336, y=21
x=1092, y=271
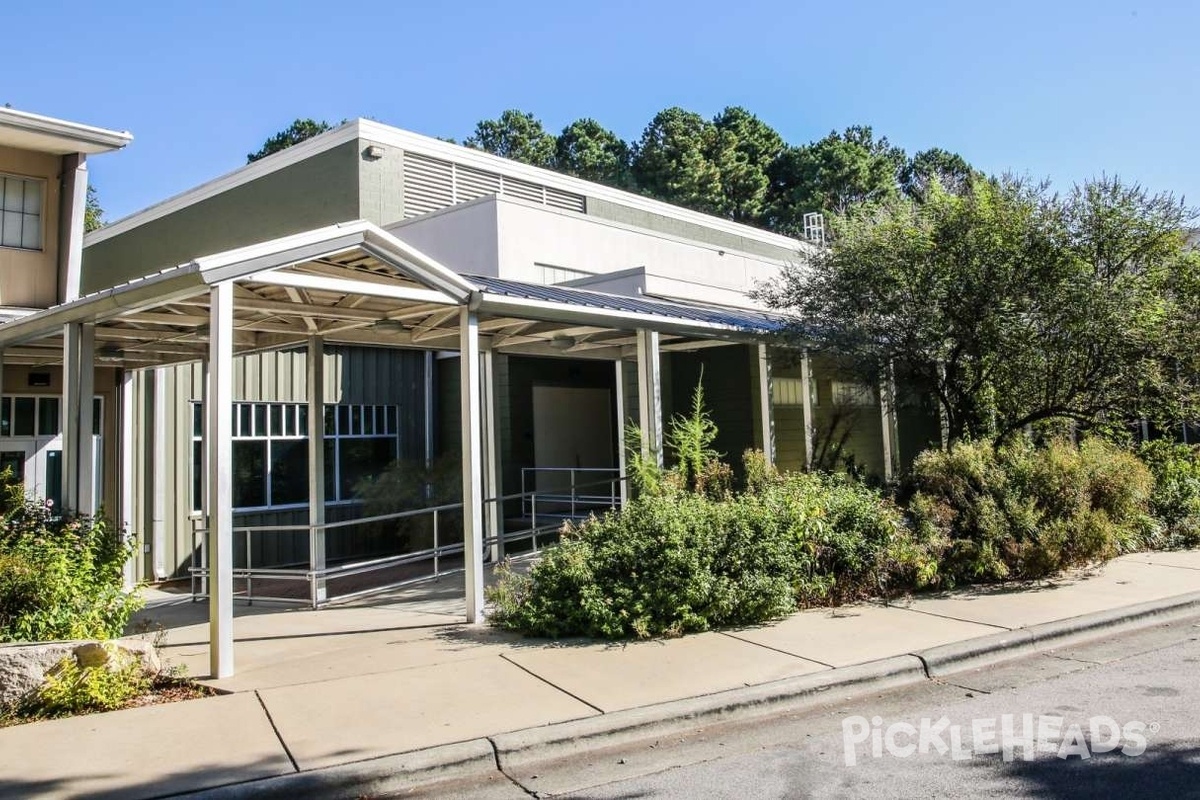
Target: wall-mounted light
x=373, y=152
x=562, y=342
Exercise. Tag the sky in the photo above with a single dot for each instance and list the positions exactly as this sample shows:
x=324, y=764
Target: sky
x=1055, y=89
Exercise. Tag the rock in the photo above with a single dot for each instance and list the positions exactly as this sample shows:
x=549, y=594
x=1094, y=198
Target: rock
x=23, y=667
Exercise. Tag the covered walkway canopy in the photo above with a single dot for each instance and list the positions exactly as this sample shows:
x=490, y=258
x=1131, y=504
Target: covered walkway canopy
x=351, y=283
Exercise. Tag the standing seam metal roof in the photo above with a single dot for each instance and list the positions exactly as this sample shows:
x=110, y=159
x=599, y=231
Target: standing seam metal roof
x=743, y=319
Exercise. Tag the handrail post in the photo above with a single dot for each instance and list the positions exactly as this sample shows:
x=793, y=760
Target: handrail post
x=572, y=492
x=249, y=572
x=436, y=550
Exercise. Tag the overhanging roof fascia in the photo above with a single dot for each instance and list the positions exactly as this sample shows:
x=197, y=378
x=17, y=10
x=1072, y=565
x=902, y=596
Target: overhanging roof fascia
x=67, y=135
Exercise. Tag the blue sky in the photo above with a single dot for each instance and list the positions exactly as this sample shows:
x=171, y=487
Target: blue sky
x=1063, y=90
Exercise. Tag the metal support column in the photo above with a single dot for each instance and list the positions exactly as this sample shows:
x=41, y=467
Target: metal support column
x=887, y=411
x=491, y=457
x=125, y=422
x=619, y=390
x=650, y=395
x=472, y=462
x=218, y=441
x=79, y=349
x=766, y=404
x=810, y=430
x=316, y=466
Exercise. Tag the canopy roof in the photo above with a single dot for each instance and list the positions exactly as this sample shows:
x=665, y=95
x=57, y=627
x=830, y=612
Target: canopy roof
x=356, y=283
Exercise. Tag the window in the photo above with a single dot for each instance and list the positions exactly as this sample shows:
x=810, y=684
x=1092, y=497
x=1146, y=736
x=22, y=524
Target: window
x=21, y=212
x=270, y=451
x=790, y=391
x=32, y=416
x=853, y=394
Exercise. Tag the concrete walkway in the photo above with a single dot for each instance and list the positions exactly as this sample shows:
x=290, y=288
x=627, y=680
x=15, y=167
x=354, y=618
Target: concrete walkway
x=402, y=673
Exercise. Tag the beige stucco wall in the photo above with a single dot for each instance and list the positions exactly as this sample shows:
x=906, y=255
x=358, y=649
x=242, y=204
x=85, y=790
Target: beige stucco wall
x=29, y=278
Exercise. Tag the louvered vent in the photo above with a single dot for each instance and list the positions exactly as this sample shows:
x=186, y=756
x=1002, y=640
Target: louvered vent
x=431, y=183
x=560, y=199
x=515, y=187
x=470, y=183
x=428, y=184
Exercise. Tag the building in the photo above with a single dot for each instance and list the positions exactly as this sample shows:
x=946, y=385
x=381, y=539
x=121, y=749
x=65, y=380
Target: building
x=372, y=302
x=43, y=186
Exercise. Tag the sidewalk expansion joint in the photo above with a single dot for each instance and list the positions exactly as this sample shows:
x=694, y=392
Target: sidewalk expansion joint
x=286, y=750
x=948, y=616
x=552, y=685
x=737, y=638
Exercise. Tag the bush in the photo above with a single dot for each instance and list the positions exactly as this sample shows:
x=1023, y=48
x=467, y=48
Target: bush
x=1028, y=512
x=59, y=578
x=1175, y=502
x=70, y=688
x=680, y=561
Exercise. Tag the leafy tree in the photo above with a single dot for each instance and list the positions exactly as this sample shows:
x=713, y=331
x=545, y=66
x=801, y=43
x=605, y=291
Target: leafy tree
x=93, y=214
x=1013, y=305
x=949, y=169
x=517, y=135
x=590, y=151
x=295, y=133
x=832, y=175
x=744, y=149
x=672, y=161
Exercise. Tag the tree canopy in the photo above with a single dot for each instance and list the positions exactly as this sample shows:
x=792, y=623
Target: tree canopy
x=93, y=214
x=295, y=133
x=1013, y=305
x=517, y=135
x=588, y=150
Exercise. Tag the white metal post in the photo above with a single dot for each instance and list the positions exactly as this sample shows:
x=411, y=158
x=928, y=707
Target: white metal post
x=79, y=346
x=619, y=389
x=430, y=399
x=766, y=404
x=316, y=465
x=806, y=407
x=650, y=394
x=218, y=441
x=126, y=422
x=160, y=474
x=471, y=462
x=491, y=455
x=887, y=412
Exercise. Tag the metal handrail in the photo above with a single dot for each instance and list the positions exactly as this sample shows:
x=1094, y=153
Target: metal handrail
x=435, y=553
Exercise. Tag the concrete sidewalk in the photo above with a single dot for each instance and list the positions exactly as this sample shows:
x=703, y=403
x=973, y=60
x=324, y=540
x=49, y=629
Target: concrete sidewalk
x=402, y=673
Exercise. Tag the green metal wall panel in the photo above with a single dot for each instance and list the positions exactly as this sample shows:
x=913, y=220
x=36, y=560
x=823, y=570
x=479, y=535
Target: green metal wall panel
x=320, y=190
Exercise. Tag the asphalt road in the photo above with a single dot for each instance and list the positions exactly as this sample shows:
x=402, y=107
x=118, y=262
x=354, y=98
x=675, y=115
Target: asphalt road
x=1136, y=696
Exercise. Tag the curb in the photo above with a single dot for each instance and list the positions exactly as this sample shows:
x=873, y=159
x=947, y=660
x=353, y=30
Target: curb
x=481, y=758
x=386, y=775
x=1006, y=645
x=636, y=724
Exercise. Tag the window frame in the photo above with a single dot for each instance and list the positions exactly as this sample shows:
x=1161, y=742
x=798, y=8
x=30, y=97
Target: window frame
x=247, y=421
x=39, y=215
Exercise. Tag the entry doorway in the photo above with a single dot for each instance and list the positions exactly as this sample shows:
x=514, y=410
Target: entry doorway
x=573, y=439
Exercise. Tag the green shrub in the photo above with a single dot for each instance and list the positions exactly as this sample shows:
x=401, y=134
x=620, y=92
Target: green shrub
x=1028, y=512
x=1175, y=502
x=70, y=688
x=59, y=578
x=679, y=561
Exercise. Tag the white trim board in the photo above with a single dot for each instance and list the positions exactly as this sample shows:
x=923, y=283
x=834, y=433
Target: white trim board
x=425, y=145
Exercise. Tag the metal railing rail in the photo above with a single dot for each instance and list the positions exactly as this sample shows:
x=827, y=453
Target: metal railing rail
x=551, y=523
